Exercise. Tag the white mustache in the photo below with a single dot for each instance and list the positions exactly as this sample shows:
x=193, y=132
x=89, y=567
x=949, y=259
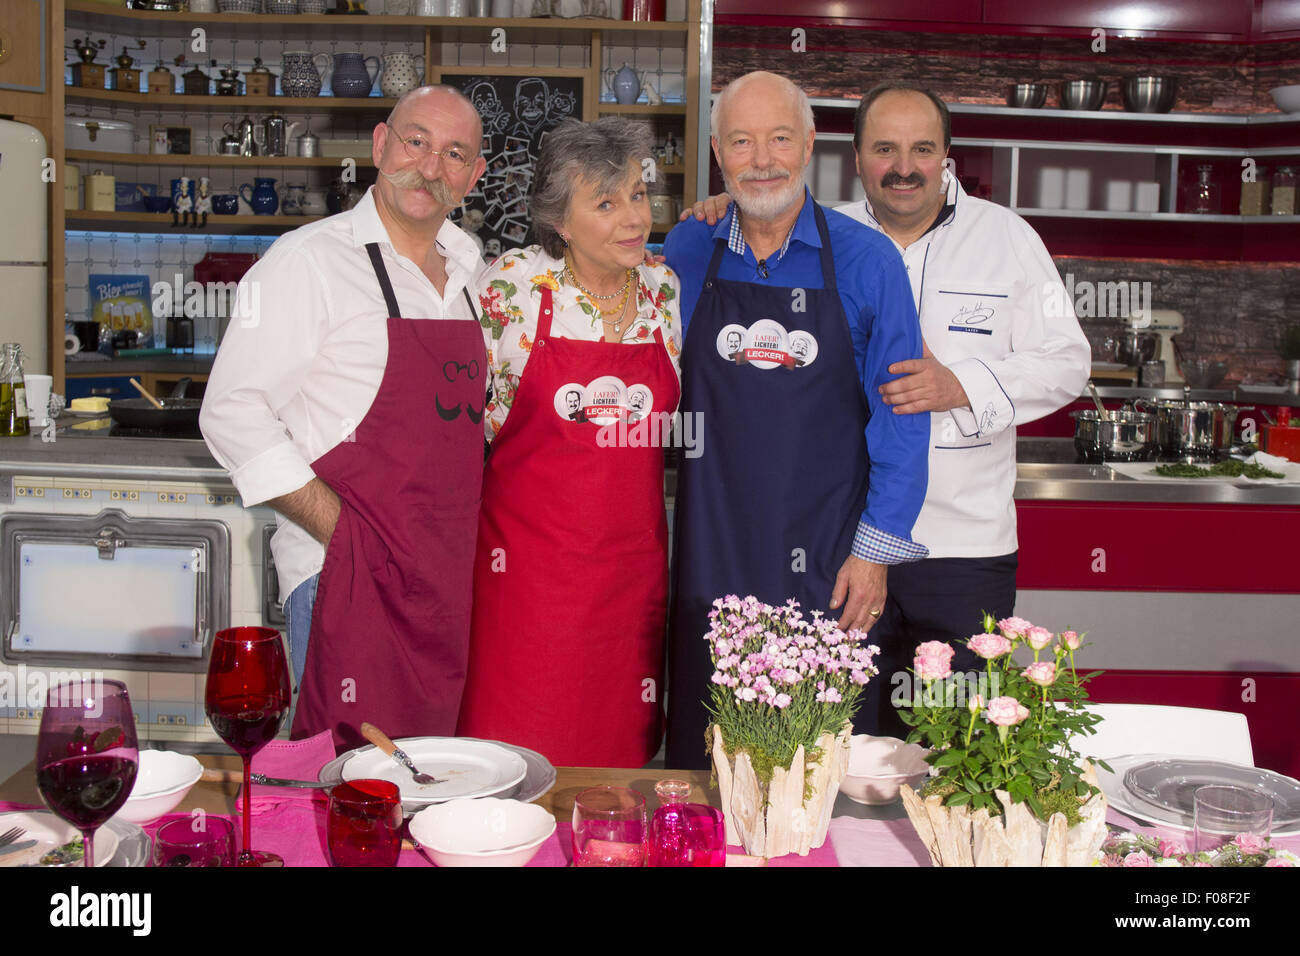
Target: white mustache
x=411, y=179
x=773, y=173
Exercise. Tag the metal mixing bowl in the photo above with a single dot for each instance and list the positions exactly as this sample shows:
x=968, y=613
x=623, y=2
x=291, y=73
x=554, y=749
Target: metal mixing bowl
x=1149, y=94
x=1203, y=372
x=1027, y=95
x=1085, y=94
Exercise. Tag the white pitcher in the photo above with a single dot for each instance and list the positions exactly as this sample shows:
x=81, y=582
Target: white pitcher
x=401, y=75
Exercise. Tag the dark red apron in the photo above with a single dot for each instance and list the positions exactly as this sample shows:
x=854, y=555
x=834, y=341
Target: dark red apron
x=570, y=579
x=391, y=621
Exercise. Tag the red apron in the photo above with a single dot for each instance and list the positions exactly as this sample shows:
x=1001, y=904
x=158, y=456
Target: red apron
x=391, y=621
x=570, y=578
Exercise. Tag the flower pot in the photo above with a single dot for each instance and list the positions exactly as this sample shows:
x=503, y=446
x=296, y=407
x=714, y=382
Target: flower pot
x=954, y=836
x=777, y=819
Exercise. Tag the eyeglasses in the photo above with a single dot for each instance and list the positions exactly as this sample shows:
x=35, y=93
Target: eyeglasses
x=420, y=149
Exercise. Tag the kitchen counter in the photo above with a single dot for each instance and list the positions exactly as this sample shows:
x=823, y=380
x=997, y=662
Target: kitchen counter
x=72, y=453
x=1242, y=395
x=1046, y=470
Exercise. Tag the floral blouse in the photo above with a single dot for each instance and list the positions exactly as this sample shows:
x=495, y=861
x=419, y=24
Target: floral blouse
x=510, y=296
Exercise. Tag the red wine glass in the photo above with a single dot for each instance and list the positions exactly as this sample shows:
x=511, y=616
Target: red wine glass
x=246, y=699
x=87, y=754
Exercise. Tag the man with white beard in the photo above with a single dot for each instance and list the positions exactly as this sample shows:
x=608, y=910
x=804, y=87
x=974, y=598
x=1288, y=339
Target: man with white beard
x=806, y=487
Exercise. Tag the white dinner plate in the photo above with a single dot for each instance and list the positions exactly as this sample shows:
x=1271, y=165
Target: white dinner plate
x=464, y=768
x=1112, y=785
x=51, y=832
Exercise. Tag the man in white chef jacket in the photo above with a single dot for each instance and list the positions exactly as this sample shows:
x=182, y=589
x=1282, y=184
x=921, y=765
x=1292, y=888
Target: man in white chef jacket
x=999, y=352
x=306, y=355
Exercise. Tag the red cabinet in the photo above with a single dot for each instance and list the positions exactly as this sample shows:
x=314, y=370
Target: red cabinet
x=1208, y=19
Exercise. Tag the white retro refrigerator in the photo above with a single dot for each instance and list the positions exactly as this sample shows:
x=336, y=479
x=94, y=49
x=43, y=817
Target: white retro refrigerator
x=24, y=251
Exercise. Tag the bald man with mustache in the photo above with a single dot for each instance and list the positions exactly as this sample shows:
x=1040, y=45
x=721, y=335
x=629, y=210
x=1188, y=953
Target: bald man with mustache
x=348, y=395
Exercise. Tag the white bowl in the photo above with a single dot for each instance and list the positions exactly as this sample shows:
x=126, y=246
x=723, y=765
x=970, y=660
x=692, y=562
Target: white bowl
x=879, y=766
x=484, y=832
x=161, y=783
x=1287, y=98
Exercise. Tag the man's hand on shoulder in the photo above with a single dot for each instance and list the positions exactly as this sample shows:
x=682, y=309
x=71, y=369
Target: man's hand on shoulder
x=863, y=584
x=927, y=385
x=710, y=210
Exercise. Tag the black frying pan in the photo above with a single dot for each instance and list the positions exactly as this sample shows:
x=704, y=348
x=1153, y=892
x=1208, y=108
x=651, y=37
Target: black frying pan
x=176, y=413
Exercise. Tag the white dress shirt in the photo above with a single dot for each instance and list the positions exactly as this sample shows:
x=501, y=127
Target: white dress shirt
x=988, y=297
x=305, y=351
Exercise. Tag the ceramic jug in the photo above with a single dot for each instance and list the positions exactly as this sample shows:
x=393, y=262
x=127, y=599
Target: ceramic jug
x=313, y=203
x=292, y=205
x=262, y=197
x=401, y=74
x=300, y=75
x=351, y=76
x=625, y=85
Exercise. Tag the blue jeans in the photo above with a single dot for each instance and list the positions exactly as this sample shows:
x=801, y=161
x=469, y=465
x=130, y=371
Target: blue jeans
x=297, y=614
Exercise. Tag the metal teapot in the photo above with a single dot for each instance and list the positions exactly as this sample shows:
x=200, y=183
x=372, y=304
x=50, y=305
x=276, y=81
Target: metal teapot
x=276, y=133
x=246, y=134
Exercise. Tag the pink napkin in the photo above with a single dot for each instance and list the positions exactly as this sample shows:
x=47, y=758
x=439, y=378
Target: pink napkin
x=877, y=843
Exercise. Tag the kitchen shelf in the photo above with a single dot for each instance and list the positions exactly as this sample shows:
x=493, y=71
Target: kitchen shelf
x=194, y=159
x=1104, y=115
x=80, y=94
x=89, y=16
x=162, y=222
x=1155, y=216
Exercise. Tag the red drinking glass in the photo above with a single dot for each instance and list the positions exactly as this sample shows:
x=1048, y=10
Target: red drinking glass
x=199, y=841
x=86, y=754
x=364, y=827
x=246, y=699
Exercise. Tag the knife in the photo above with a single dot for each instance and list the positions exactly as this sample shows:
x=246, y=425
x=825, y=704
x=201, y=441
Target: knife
x=237, y=776
x=15, y=847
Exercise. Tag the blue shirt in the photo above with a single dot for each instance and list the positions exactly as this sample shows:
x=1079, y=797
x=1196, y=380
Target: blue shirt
x=877, y=299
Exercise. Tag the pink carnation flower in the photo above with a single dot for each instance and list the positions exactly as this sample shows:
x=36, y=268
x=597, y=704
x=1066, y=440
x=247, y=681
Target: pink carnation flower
x=933, y=660
x=1279, y=861
x=989, y=646
x=1138, y=859
x=1042, y=673
x=1006, y=711
x=1038, y=637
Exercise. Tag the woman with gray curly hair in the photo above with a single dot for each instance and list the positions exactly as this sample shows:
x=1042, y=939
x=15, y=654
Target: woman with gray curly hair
x=570, y=581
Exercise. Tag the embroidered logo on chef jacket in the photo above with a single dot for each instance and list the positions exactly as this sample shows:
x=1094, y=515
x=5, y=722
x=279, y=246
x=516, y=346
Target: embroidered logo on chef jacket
x=974, y=311
x=604, y=401
x=766, y=344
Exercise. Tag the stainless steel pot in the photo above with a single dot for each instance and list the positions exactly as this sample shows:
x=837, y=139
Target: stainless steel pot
x=1194, y=430
x=1122, y=436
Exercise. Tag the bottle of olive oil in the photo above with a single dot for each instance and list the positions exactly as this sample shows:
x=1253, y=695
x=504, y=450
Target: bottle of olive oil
x=13, y=394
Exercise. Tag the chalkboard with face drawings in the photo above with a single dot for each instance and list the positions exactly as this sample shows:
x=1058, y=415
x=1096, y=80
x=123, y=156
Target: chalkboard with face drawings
x=517, y=111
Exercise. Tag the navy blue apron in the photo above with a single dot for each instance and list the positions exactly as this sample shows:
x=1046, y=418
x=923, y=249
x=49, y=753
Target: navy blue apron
x=771, y=505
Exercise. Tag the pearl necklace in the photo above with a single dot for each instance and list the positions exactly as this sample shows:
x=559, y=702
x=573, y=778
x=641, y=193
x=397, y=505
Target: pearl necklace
x=621, y=295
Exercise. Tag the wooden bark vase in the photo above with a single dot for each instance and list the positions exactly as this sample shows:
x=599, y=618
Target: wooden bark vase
x=778, y=819
x=955, y=836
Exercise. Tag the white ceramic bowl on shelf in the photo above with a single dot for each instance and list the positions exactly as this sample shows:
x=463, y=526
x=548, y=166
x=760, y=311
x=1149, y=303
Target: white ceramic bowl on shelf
x=485, y=832
x=1287, y=98
x=161, y=783
x=879, y=766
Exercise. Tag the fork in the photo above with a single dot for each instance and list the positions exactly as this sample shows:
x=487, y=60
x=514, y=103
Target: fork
x=11, y=835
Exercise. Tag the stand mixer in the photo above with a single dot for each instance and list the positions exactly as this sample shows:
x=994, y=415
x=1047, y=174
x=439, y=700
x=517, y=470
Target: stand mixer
x=1165, y=324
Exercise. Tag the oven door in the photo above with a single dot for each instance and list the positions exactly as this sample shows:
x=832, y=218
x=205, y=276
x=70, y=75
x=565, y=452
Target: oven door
x=111, y=591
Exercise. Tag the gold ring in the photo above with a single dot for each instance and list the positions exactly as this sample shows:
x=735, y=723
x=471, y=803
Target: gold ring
x=874, y=613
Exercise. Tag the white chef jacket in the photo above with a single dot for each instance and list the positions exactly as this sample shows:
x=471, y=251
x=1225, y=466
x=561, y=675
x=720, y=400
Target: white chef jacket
x=304, y=354
x=989, y=299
